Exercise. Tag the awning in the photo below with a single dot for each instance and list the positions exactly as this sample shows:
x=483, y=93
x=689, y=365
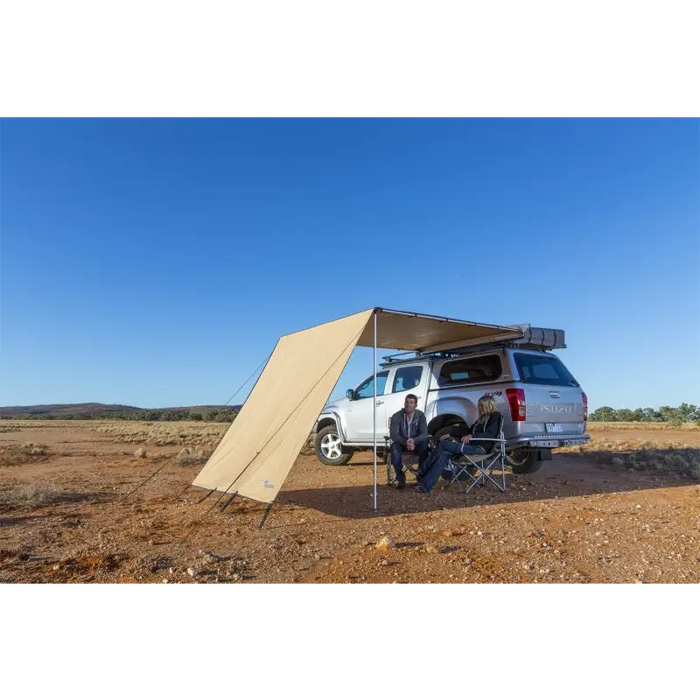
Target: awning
x=256, y=454
x=404, y=330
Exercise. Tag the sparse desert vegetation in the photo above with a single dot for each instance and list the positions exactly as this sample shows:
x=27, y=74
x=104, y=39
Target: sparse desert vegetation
x=654, y=455
x=30, y=448
x=28, y=495
x=77, y=505
x=648, y=426
x=192, y=455
x=25, y=452
x=11, y=425
x=178, y=433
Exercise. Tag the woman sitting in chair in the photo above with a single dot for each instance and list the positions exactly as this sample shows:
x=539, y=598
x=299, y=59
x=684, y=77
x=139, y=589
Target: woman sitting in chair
x=457, y=443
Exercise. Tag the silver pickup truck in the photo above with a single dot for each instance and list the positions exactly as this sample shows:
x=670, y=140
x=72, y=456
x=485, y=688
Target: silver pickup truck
x=542, y=404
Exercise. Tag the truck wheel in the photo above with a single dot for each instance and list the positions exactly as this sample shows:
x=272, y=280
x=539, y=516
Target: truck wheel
x=329, y=449
x=523, y=461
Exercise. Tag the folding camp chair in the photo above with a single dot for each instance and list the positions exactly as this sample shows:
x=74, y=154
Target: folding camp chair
x=409, y=462
x=479, y=468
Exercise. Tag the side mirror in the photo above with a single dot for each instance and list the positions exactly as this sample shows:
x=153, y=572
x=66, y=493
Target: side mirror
x=350, y=393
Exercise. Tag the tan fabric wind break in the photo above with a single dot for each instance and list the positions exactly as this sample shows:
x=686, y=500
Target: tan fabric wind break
x=259, y=449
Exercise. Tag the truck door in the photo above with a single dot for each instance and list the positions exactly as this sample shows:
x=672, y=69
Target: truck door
x=358, y=415
x=407, y=379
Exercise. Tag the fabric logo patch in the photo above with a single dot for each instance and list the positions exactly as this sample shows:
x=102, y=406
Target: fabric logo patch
x=267, y=484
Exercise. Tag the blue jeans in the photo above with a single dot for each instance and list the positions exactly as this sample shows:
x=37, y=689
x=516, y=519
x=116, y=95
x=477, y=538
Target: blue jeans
x=397, y=450
x=445, y=450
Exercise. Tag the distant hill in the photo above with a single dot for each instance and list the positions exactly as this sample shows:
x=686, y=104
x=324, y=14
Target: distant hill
x=100, y=410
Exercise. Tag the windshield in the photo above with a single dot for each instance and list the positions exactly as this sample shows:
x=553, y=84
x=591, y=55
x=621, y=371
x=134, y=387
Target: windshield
x=366, y=389
x=543, y=369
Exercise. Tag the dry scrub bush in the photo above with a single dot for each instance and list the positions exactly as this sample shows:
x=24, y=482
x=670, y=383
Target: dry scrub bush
x=30, y=448
x=176, y=433
x=191, y=455
x=648, y=455
x=33, y=495
x=642, y=425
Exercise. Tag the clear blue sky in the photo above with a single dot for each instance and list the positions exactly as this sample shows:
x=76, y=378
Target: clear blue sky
x=155, y=263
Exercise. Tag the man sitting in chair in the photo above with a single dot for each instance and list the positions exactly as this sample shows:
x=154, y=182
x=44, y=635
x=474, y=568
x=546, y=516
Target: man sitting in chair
x=409, y=433
x=457, y=443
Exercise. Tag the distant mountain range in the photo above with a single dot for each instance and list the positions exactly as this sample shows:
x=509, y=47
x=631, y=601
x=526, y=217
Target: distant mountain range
x=64, y=410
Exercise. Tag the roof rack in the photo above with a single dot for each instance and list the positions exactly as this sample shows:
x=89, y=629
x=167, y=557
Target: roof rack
x=388, y=359
x=537, y=338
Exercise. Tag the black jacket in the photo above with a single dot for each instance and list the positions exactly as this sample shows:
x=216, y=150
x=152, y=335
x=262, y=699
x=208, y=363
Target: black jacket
x=486, y=427
x=400, y=431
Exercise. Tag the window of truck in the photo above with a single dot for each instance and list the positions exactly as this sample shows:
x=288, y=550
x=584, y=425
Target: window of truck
x=543, y=369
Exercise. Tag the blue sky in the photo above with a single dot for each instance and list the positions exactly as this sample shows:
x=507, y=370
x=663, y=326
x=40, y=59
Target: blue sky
x=155, y=262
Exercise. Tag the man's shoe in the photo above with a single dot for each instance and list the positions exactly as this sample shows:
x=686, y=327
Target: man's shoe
x=401, y=481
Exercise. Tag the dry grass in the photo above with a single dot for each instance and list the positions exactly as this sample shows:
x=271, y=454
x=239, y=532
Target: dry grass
x=648, y=455
x=30, y=448
x=310, y=445
x=192, y=455
x=650, y=426
x=175, y=433
x=12, y=455
x=140, y=432
x=13, y=425
x=32, y=495
x=597, y=444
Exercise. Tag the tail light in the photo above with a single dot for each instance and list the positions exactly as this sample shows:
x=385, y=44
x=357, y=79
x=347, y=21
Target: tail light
x=585, y=406
x=516, y=401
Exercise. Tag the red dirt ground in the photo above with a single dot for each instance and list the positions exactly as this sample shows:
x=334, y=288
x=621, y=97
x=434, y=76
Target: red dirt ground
x=576, y=520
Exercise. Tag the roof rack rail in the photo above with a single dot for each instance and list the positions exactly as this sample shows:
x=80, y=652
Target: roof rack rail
x=388, y=359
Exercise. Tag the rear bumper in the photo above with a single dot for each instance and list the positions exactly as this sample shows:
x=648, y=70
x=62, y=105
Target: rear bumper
x=548, y=441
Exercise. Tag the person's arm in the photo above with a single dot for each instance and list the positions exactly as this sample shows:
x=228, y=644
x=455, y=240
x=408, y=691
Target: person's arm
x=460, y=430
x=465, y=432
x=394, y=429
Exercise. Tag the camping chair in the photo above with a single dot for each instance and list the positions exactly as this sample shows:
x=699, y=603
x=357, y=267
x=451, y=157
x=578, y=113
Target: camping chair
x=479, y=468
x=409, y=461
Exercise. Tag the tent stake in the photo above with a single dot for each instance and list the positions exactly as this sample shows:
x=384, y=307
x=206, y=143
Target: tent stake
x=264, y=517
x=183, y=491
x=204, y=498
x=228, y=503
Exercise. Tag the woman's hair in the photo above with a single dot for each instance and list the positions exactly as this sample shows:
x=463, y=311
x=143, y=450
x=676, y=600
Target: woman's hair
x=487, y=405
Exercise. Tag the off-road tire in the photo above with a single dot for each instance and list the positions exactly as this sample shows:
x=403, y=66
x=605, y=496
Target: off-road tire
x=323, y=439
x=523, y=461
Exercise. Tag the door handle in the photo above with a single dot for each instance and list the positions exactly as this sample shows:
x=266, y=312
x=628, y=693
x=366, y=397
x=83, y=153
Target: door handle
x=379, y=403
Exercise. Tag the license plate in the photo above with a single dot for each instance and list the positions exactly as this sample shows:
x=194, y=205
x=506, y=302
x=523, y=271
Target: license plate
x=545, y=443
x=554, y=427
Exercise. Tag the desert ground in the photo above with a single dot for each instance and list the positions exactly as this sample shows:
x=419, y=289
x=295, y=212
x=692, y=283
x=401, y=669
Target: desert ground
x=626, y=508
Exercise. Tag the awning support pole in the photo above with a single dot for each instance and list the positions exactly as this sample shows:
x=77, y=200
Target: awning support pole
x=374, y=432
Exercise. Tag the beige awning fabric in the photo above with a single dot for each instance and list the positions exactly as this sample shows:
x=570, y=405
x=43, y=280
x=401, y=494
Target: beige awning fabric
x=256, y=454
x=403, y=330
